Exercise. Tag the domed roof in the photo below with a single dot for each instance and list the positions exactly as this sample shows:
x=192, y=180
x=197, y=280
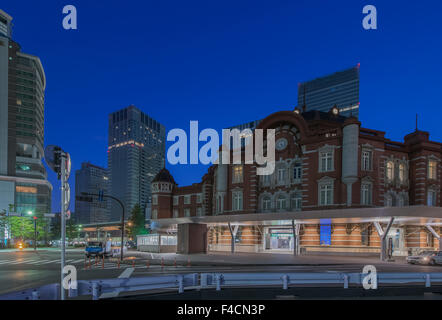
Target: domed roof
x=164, y=176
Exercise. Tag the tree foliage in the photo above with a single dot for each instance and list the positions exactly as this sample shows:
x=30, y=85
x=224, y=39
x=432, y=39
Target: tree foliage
x=136, y=225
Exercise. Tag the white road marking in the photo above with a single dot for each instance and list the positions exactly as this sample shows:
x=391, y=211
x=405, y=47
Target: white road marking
x=126, y=273
x=22, y=261
x=51, y=261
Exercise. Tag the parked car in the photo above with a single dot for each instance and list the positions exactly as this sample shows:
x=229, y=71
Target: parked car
x=425, y=257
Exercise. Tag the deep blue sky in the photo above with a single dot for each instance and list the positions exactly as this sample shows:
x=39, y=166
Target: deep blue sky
x=224, y=63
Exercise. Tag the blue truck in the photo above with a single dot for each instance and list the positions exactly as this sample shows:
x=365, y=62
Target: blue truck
x=98, y=249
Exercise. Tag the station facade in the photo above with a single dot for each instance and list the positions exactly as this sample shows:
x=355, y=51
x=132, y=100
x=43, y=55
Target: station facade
x=337, y=187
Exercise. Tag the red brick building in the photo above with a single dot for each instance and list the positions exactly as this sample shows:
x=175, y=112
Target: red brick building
x=336, y=186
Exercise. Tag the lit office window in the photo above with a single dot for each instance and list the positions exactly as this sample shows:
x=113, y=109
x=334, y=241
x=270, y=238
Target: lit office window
x=390, y=171
x=237, y=174
x=432, y=170
x=402, y=173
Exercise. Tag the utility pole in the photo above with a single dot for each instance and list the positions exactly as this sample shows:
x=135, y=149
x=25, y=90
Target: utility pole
x=63, y=220
x=60, y=162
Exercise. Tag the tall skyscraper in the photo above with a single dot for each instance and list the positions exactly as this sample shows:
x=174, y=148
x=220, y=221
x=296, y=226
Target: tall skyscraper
x=136, y=153
x=23, y=178
x=340, y=89
x=91, y=179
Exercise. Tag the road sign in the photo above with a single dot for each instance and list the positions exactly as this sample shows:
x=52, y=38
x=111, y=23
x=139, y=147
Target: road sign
x=49, y=215
x=67, y=196
x=68, y=166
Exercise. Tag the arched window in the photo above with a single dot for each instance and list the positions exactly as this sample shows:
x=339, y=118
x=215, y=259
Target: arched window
x=402, y=173
x=388, y=200
x=266, y=203
x=390, y=171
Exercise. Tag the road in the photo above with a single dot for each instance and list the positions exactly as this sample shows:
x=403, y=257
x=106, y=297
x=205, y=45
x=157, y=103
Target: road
x=29, y=269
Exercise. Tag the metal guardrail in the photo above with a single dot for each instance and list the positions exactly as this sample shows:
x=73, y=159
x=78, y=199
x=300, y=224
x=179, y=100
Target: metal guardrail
x=101, y=288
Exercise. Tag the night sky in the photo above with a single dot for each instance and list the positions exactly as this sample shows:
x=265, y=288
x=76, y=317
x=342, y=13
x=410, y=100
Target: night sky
x=224, y=63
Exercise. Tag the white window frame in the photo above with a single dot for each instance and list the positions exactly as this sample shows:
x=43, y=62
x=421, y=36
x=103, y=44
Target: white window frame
x=176, y=213
x=187, y=199
x=199, y=198
x=281, y=174
x=176, y=200
x=367, y=160
x=366, y=194
x=297, y=171
x=237, y=200
x=326, y=161
x=326, y=188
x=281, y=202
x=296, y=201
x=155, y=200
x=266, y=203
x=187, y=212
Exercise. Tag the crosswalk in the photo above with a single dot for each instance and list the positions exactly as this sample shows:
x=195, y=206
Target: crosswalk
x=37, y=262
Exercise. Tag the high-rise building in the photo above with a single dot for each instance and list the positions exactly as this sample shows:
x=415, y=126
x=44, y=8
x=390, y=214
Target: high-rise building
x=136, y=153
x=91, y=179
x=340, y=89
x=23, y=178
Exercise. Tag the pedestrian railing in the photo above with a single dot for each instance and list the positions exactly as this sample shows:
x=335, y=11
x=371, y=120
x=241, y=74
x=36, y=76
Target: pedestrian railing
x=180, y=282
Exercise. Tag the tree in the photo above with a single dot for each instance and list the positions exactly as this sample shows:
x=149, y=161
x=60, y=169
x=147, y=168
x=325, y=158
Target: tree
x=136, y=225
x=22, y=227
x=71, y=229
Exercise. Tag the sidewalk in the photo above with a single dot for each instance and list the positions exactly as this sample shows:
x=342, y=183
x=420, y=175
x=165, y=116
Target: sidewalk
x=257, y=259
